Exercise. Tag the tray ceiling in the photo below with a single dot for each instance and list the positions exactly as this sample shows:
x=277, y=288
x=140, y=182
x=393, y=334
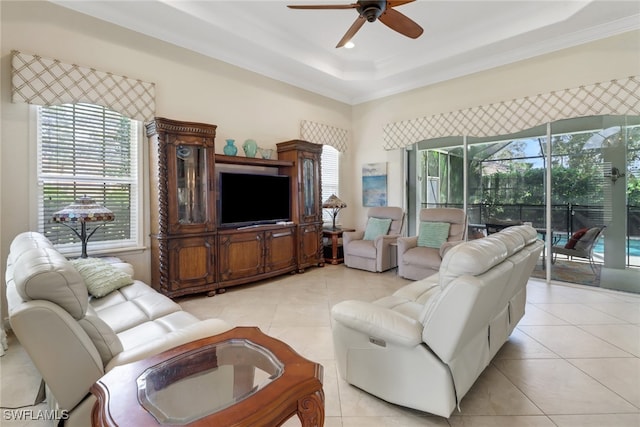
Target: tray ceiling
x=298, y=46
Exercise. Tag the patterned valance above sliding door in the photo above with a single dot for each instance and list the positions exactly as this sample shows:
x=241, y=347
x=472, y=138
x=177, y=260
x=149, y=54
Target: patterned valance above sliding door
x=43, y=81
x=617, y=97
x=324, y=134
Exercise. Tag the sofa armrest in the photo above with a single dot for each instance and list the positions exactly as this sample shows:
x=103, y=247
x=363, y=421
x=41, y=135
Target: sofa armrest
x=406, y=243
x=378, y=322
x=202, y=329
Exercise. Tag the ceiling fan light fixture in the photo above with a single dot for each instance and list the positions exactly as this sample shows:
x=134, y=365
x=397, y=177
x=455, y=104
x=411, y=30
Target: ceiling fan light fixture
x=349, y=45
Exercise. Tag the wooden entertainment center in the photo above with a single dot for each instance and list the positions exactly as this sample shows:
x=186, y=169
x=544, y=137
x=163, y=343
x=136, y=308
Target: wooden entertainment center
x=190, y=251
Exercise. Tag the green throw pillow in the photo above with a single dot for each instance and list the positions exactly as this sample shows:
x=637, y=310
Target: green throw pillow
x=376, y=227
x=433, y=234
x=101, y=277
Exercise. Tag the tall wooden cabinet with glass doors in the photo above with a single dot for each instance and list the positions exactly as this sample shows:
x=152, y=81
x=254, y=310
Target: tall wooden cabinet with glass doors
x=305, y=198
x=182, y=193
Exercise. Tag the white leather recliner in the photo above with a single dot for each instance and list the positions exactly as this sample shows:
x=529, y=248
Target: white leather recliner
x=74, y=339
x=424, y=346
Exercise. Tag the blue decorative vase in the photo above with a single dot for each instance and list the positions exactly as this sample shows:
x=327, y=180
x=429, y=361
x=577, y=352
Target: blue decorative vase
x=230, y=149
x=250, y=148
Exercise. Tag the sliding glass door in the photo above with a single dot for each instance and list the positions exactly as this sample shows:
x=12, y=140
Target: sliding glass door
x=592, y=165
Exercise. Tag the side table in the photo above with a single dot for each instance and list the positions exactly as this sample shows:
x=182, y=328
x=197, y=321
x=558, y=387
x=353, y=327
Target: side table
x=241, y=377
x=334, y=235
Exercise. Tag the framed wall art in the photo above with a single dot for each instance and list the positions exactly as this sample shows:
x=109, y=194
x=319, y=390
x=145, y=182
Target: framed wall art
x=374, y=184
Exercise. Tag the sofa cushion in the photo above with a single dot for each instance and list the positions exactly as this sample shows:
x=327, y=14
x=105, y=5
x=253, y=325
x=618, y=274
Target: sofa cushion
x=376, y=227
x=100, y=277
x=362, y=248
x=44, y=273
x=433, y=234
x=422, y=256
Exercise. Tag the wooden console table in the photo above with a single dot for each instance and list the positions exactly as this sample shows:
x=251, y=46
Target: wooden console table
x=334, y=236
x=241, y=378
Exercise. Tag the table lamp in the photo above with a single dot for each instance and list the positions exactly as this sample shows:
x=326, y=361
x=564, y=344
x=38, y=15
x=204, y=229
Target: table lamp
x=334, y=204
x=83, y=210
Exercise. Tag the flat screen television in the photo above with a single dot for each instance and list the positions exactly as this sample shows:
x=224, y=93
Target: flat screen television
x=253, y=199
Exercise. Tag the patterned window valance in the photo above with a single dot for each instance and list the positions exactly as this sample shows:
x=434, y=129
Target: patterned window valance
x=617, y=97
x=325, y=135
x=43, y=81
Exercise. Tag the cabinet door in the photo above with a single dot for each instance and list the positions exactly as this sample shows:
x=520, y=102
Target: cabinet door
x=240, y=255
x=191, y=262
x=310, y=203
x=190, y=194
x=280, y=249
x=309, y=245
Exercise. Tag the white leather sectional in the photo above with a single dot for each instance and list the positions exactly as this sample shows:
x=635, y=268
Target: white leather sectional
x=72, y=338
x=424, y=346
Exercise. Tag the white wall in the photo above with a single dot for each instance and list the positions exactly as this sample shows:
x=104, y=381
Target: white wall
x=246, y=105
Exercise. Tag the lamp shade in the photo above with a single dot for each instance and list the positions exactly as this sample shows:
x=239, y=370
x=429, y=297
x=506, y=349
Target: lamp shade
x=333, y=202
x=83, y=210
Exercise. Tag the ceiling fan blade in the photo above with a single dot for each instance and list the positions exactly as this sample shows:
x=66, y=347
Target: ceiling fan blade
x=398, y=3
x=324, y=6
x=357, y=24
x=400, y=23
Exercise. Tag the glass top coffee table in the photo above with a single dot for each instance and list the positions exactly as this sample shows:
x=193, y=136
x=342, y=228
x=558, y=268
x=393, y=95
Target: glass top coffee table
x=242, y=377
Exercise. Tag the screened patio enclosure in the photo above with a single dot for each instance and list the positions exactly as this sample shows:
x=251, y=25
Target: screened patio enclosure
x=562, y=177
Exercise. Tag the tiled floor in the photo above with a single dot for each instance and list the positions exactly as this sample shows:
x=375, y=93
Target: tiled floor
x=574, y=359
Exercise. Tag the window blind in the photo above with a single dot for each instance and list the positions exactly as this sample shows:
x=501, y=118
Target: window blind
x=330, y=183
x=88, y=150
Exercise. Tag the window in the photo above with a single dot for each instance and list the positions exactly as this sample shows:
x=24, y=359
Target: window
x=88, y=150
x=329, y=162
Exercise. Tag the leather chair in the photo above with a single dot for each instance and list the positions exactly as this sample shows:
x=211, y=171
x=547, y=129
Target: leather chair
x=580, y=245
x=417, y=262
x=378, y=254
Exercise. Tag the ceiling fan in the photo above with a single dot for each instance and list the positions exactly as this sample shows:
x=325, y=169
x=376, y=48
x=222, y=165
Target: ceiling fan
x=372, y=11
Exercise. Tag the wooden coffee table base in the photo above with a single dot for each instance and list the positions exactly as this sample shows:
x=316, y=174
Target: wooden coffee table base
x=297, y=390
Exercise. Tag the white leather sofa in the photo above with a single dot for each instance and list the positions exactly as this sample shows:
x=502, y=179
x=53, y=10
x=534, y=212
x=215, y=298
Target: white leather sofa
x=73, y=338
x=424, y=346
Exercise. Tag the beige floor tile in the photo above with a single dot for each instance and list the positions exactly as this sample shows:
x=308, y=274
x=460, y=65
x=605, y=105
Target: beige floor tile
x=621, y=376
x=605, y=420
x=579, y=314
x=572, y=342
x=301, y=315
x=522, y=346
x=249, y=315
x=627, y=311
x=557, y=387
x=397, y=421
x=501, y=421
x=357, y=403
x=19, y=379
x=494, y=394
x=625, y=337
x=312, y=342
x=330, y=387
x=536, y=316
